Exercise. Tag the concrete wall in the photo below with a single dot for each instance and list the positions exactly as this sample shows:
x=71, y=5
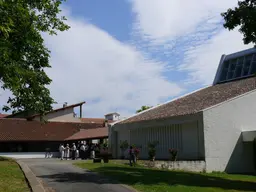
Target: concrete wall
x=196, y=166
x=65, y=115
x=187, y=137
x=223, y=125
x=27, y=155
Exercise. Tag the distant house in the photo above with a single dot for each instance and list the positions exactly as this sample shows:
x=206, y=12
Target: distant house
x=215, y=125
x=22, y=138
x=112, y=116
x=63, y=114
x=33, y=137
x=3, y=115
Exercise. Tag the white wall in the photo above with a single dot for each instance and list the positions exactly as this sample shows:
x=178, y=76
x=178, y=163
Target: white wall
x=113, y=117
x=186, y=137
x=223, y=124
x=65, y=115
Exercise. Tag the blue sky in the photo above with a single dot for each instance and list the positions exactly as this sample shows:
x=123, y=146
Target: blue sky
x=122, y=54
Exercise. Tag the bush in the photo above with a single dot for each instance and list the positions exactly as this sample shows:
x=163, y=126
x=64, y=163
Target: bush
x=174, y=153
x=123, y=146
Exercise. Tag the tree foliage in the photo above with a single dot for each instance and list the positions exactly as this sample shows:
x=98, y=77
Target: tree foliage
x=23, y=55
x=143, y=108
x=244, y=17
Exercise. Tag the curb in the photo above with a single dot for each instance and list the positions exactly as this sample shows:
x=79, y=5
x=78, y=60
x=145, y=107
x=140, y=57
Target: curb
x=34, y=184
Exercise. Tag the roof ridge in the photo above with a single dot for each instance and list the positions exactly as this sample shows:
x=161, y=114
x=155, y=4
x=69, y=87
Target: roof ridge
x=195, y=101
x=174, y=99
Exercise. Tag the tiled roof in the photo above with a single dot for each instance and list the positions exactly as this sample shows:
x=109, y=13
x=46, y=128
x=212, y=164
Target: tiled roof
x=59, y=109
x=3, y=115
x=90, y=133
x=22, y=130
x=53, y=111
x=197, y=101
x=95, y=120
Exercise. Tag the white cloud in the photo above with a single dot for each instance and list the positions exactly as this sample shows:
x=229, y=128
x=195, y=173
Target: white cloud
x=197, y=23
x=88, y=64
x=202, y=61
x=162, y=20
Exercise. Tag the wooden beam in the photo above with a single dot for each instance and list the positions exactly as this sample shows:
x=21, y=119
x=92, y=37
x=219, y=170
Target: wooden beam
x=81, y=111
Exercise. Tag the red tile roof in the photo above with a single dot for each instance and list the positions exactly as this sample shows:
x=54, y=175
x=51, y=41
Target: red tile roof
x=3, y=115
x=197, y=101
x=53, y=111
x=96, y=133
x=95, y=120
x=59, y=109
x=22, y=130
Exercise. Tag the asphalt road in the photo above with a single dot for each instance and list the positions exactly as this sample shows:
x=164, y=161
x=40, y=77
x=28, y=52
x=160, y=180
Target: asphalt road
x=62, y=176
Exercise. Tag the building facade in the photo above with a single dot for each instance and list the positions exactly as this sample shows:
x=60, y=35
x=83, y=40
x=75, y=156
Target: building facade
x=208, y=124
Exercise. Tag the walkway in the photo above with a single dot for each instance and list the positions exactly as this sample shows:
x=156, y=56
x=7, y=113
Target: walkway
x=62, y=176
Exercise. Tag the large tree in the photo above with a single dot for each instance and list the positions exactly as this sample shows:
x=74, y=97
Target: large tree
x=143, y=108
x=23, y=55
x=244, y=17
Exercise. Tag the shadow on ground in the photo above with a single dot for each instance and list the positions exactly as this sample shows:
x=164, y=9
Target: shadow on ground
x=5, y=159
x=130, y=176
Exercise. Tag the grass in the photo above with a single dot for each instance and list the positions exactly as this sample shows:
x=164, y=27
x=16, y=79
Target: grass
x=155, y=180
x=11, y=177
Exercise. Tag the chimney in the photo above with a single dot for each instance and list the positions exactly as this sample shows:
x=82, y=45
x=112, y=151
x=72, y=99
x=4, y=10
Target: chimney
x=65, y=104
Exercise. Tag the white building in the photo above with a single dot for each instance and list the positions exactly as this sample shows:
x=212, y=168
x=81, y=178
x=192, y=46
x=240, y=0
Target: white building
x=215, y=124
x=112, y=116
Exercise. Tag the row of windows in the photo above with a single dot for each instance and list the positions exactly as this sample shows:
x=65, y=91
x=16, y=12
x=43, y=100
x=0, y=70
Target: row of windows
x=238, y=67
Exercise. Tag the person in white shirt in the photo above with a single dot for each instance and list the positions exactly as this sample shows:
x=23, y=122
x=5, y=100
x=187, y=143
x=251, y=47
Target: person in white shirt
x=61, y=150
x=73, y=151
x=82, y=151
x=67, y=152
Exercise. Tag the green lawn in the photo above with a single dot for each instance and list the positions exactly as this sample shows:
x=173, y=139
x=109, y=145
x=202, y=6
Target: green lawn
x=11, y=177
x=155, y=180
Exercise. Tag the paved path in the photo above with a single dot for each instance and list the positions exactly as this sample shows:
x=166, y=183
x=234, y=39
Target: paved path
x=62, y=176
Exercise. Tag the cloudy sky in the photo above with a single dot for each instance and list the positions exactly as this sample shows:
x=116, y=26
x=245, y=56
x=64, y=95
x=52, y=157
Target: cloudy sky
x=122, y=54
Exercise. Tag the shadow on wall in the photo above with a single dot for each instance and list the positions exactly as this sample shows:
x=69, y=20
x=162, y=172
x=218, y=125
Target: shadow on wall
x=241, y=159
x=130, y=176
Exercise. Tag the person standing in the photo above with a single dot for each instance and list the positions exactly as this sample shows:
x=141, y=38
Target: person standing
x=82, y=151
x=132, y=157
x=61, y=149
x=67, y=152
x=86, y=152
x=78, y=149
x=73, y=151
x=92, y=151
x=47, y=152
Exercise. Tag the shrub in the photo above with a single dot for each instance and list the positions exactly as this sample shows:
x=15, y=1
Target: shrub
x=152, y=149
x=174, y=153
x=123, y=146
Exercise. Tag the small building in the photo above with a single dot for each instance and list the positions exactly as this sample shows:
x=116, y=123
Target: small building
x=112, y=116
x=214, y=125
x=22, y=138
x=23, y=135
x=63, y=114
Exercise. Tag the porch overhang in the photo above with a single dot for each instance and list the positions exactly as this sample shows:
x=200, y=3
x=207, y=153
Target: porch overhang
x=248, y=136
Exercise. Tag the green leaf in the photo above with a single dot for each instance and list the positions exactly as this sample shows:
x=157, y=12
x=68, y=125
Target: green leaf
x=23, y=55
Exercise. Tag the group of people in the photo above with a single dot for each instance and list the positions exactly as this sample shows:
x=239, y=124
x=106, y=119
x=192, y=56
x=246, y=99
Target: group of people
x=82, y=150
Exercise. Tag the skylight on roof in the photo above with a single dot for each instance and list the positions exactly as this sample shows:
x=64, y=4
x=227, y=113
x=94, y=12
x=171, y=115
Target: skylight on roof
x=236, y=66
